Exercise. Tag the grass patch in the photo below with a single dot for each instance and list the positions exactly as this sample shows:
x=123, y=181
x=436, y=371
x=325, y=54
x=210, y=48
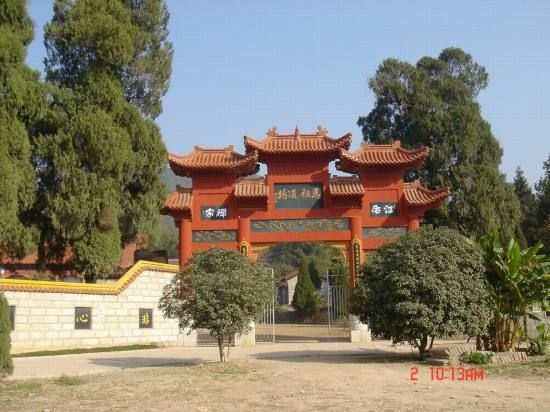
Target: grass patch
x=535, y=367
x=13, y=388
x=65, y=380
x=83, y=350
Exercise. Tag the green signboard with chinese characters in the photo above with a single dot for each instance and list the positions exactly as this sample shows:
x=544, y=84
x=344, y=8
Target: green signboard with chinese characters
x=298, y=195
x=214, y=212
x=214, y=235
x=299, y=225
x=383, y=232
x=378, y=209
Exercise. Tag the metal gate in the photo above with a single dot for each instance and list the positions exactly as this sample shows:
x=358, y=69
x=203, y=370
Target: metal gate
x=265, y=326
x=338, y=311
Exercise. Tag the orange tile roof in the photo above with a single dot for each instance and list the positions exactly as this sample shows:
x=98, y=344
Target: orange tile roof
x=371, y=156
x=179, y=201
x=214, y=162
x=251, y=188
x=297, y=144
x=418, y=196
x=345, y=186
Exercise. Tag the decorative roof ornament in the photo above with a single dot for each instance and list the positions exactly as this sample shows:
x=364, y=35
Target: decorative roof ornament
x=297, y=132
x=321, y=131
x=272, y=132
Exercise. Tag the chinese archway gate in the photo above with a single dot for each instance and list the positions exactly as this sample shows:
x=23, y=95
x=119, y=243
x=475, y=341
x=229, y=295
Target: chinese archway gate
x=298, y=199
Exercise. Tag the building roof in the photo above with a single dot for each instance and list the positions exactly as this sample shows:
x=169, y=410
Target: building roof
x=344, y=186
x=251, y=188
x=178, y=202
x=297, y=144
x=16, y=285
x=370, y=157
x=214, y=162
x=418, y=196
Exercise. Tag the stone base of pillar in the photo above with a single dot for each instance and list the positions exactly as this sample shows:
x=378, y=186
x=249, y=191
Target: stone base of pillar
x=248, y=339
x=359, y=332
x=187, y=338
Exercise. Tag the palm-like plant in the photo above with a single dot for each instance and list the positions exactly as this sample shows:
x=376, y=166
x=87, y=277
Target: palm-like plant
x=516, y=279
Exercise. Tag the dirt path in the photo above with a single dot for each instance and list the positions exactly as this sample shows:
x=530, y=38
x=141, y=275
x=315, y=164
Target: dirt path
x=325, y=383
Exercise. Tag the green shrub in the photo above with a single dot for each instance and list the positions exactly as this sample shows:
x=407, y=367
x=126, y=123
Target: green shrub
x=6, y=364
x=476, y=358
x=539, y=344
x=427, y=284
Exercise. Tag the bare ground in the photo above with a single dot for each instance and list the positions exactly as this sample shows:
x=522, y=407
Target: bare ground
x=324, y=383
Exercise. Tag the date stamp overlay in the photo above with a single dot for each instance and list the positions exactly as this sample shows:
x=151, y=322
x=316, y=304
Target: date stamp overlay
x=447, y=374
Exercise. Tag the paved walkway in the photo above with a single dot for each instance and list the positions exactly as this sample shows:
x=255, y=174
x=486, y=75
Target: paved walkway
x=87, y=363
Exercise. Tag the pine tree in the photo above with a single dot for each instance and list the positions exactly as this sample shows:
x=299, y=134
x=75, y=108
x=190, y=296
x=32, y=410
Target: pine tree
x=314, y=274
x=528, y=201
x=305, y=299
x=6, y=365
x=542, y=189
x=100, y=159
x=22, y=105
x=434, y=103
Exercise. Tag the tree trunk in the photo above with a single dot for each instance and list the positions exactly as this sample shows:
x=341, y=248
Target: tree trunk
x=431, y=343
x=220, y=347
x=422, y=347
x=228, y=346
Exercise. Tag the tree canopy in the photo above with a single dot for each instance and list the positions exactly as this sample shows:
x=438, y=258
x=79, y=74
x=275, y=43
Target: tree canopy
x=434, y=103
x=542, y=189
x=220, y=290
x=125, y=38
x=529, y=209
x=22, y=104
x=427, y=284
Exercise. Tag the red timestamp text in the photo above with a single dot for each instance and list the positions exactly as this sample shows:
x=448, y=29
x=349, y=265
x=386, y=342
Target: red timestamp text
x=450, y=374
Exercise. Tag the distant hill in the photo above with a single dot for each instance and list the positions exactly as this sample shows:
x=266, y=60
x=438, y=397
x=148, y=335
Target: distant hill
x=170, y=180
x=168, y=233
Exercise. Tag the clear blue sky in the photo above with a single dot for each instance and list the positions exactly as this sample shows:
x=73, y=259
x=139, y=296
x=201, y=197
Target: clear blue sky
x=241, y=67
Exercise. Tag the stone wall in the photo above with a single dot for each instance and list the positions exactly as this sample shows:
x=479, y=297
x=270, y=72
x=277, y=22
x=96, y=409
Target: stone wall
x=46, y=319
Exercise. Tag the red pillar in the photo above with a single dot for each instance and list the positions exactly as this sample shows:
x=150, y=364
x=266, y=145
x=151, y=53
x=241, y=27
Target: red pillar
x=185, y=239
x=243, y=234
x=414, y=223
x=356, y=242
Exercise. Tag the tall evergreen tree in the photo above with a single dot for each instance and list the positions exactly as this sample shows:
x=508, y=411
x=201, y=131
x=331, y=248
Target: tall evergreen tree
x=542, y=189
x=528, y=201
x=126, y=38
x=434, y=103
x=100, y=159
x=305, y=299
x=22, y=104
x=314, y=274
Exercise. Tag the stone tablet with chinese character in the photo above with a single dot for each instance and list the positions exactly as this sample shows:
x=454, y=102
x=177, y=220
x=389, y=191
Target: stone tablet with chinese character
x=145, y=318
x=83, y=318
